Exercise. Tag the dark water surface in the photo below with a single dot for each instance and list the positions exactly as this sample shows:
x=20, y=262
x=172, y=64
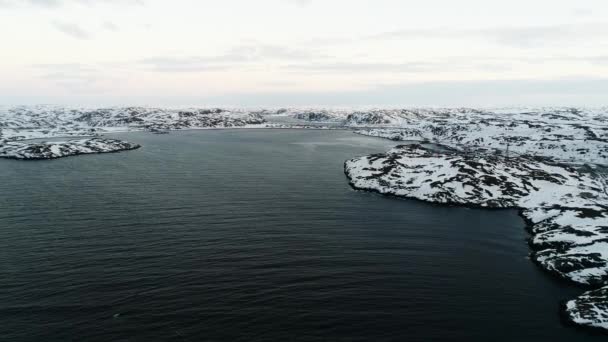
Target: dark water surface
x=251, y=235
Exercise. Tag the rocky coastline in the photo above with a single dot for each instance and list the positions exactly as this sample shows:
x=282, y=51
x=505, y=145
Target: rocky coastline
x=59, y=149
x=566, y=211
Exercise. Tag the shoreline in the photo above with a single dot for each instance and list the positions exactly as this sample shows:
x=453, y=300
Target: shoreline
x=383, y=187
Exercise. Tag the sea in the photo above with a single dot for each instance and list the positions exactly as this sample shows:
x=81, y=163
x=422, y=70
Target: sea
x=256, y=235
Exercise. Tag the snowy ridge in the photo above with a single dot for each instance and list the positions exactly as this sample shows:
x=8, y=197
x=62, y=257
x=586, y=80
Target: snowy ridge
x=567, y=211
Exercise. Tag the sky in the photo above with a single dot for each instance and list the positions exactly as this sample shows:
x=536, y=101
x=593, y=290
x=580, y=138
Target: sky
x=270, y=53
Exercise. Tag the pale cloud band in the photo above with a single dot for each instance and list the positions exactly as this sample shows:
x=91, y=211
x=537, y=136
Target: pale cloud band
x=302, y=49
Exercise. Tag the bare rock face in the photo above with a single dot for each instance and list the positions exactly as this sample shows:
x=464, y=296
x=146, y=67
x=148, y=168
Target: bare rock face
x=566, y=211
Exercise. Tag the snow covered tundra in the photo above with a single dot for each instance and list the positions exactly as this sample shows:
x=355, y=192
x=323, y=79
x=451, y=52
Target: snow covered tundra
x=550, y=163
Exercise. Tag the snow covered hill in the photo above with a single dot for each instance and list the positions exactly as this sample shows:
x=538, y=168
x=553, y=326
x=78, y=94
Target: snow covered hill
x=569, y=135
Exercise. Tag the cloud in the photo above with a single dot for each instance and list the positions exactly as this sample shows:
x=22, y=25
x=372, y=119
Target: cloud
x=582, y=12
x=110, y=26
x=530, y=36
x=525, y=37
x=362, y=67
x=59, y=3
x=276, y=52
x=108, y=2
x=81, y=78
x=181, y=64
x=240, y=56
x=491, y=93
x=596, y=59
x=246, y=58
x=71, y=30
x=447, y=64
x=564, y=92
x=66, y=71
x=300, y=3
x=45, y=3
x=75, y=77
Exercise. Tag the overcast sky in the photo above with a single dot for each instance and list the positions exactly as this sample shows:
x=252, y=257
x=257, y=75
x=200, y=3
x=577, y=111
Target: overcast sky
x=304, y=52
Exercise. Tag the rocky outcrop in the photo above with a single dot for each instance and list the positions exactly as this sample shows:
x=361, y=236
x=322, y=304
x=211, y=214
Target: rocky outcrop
x=589, y=309
x=315, y=116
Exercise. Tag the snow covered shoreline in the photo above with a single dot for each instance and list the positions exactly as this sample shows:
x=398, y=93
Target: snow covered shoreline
x=511, y=158
x=20, y=126
x=504, y=158
x=60, y=149
x=566, y=211
x=568, y=134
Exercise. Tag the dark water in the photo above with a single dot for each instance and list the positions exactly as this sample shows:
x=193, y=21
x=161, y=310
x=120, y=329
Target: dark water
x=250, y=235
